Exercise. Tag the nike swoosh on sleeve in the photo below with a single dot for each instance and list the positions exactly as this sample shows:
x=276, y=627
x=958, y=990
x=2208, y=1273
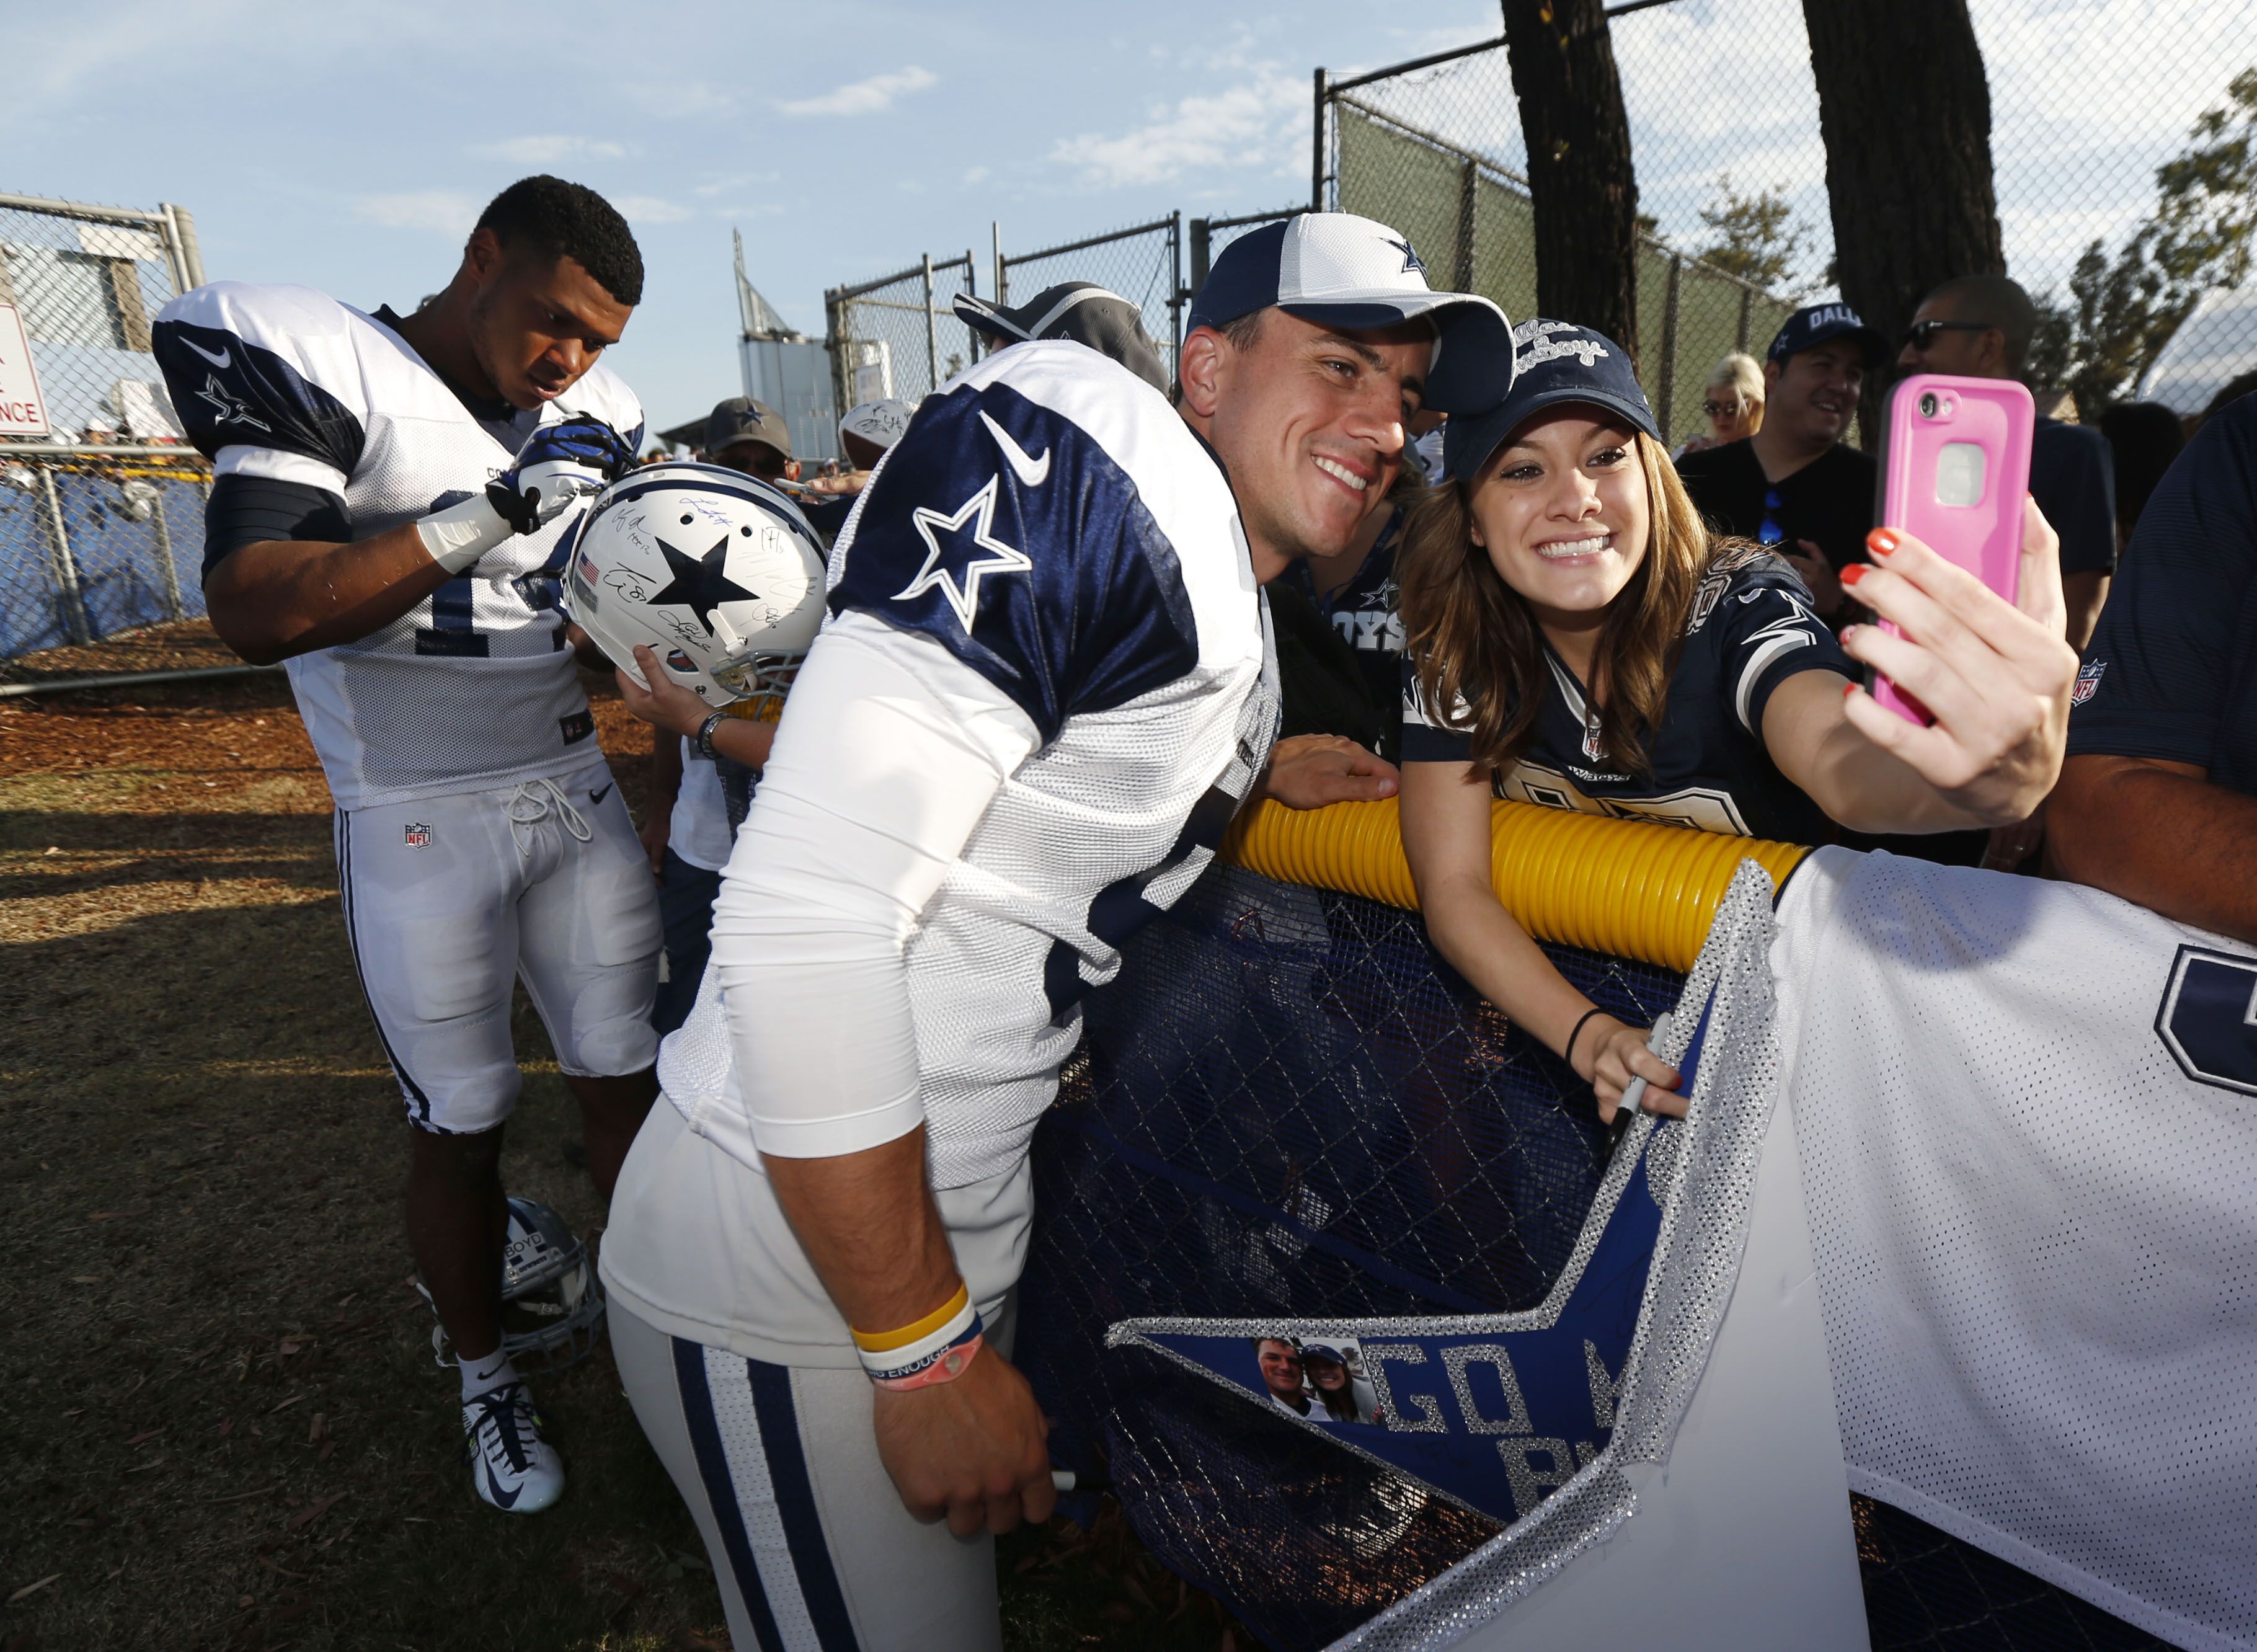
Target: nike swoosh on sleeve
x=222, y=361
x=1031, y=472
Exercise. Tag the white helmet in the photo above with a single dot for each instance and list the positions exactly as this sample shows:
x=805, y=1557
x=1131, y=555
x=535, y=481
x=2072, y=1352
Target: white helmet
x=551, y=1305
x=718, y=571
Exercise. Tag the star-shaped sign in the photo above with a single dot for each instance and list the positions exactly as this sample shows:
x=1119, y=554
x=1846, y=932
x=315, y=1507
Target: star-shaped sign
x=1410, y=258
x=960, y=585
x=232, y=409
x=700, y=583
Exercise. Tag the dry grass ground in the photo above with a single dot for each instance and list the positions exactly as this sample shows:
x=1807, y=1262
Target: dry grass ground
x=220, y=1424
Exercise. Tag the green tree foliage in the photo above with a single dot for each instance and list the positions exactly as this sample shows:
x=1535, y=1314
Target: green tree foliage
x=1754, y=237
x=2121, y=310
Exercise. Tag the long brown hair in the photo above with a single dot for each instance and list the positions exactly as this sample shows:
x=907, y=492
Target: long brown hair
x=1472, y=636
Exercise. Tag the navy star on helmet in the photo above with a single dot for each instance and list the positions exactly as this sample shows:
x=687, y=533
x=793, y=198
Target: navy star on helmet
x=551, y=1304
x=1350, y=272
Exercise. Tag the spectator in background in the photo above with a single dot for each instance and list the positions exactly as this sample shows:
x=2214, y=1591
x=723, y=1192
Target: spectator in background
x=1979, y=327
x=748, y=435
x=1080, y=311
x=2241, y=385
x=1339, y=639
x=2145, y=437
x=2158, y=799
x=1733, y=400
x=1793, y=484
x=869, y=430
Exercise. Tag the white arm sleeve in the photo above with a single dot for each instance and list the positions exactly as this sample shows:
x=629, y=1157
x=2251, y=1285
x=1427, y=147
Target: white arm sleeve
x=892, y=752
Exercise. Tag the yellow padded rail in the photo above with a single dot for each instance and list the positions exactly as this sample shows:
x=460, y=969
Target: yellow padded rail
x=1626, y=887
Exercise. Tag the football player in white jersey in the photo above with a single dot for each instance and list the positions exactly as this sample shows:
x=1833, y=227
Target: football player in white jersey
x=391, y=494
x=1044, y=687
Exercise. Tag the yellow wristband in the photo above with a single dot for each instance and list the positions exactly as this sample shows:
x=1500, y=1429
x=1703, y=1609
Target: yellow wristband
x=885, y=1342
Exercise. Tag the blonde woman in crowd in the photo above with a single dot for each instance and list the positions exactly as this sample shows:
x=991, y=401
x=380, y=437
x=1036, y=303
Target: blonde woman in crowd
x=1733, y=399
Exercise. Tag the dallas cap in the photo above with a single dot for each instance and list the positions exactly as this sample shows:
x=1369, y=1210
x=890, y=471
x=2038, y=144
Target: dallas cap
x=742, y=419
x=1081, y=311
x=1814, y=323
x=881, y=424
x=1554, y=363
x=1350, y=272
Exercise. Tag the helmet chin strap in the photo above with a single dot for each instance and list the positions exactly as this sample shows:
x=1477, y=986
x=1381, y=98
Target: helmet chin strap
x=726, y=634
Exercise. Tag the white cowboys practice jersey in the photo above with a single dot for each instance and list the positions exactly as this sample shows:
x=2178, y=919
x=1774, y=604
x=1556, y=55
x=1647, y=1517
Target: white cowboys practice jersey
x=1055, y=526
x=473, y=689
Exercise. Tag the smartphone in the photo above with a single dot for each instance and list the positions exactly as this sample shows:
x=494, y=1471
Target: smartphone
x=1957, y=471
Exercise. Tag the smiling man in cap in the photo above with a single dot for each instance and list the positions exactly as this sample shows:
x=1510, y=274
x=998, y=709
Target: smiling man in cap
x=1044, y=690
x=1796, y=484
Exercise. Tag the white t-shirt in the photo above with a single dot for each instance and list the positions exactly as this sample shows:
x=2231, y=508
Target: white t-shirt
x=699, y=829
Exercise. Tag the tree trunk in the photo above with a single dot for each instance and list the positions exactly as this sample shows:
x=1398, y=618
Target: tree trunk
x=1906, y=113
x=1579, y=164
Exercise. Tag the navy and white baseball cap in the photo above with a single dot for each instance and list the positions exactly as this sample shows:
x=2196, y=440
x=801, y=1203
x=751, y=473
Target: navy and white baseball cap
x=1554, y=362
x=1351, y=271
x=1814, y=323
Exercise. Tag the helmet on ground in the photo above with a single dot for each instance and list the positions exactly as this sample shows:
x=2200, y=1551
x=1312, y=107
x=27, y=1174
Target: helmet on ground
x=716, y=570
x=551, y=1305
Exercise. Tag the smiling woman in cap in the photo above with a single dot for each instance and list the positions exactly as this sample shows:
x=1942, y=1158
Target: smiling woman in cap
x=1579, y=639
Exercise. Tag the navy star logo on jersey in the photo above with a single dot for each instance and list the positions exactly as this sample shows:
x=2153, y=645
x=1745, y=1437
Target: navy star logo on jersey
x=951, y=568
x=232, y=408
x=700, y=583
x=1410, y=258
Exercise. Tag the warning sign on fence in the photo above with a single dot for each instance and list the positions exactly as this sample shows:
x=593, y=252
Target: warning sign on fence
x=23, y=410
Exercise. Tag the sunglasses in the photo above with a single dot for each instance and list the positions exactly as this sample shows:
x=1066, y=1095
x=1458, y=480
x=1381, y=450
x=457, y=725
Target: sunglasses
x=1768, y=531
x=1721, y=409
x=1921, y=335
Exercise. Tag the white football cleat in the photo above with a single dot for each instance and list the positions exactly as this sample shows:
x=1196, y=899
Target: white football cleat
x=512, y=1465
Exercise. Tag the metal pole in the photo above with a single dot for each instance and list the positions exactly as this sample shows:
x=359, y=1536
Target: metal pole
x=129, y=679
x=1468, y=198
x=1669, y=348
x=1317, y=146
x=931, y=334
x=1200, y=234
x=1747, y=313
x=75, y=614
x=842, y=348
x=175, y=254
x=1175, y=283
x=165, y=563
x=1002, y=281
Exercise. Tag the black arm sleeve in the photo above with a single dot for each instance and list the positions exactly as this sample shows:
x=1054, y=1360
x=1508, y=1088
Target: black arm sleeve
x=249, y=510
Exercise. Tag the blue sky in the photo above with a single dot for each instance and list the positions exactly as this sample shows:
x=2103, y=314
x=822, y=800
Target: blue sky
x=350, y=147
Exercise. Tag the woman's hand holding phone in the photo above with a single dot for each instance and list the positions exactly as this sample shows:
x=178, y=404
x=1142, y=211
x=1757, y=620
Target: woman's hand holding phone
x=1995, y=675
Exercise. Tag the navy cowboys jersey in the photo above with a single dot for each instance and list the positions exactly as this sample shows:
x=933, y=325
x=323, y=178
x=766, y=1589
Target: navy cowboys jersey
x=1056, y=526
x=473, y=687
x=1750, y=628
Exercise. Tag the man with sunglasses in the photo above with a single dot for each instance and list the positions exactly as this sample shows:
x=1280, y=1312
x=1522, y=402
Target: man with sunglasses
x=1796, y=485
x=1979, y=327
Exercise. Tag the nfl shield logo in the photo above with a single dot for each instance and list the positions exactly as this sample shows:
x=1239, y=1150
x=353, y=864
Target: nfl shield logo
x=418, y=836
x=2088, y=680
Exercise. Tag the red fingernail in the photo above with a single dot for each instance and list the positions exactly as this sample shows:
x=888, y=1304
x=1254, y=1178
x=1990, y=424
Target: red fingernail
x=1847, y=689
x=1853, y=573
x=1881, y=541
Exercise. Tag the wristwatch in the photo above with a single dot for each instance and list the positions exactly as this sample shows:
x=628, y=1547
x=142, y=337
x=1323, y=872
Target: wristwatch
x=705, y=735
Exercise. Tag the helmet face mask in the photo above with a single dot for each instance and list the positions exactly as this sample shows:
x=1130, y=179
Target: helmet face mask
x=552, y=1309
x=715, y=571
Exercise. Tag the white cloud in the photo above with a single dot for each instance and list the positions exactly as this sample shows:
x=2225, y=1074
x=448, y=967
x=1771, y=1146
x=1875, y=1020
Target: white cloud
x=443, y=211
x=650, y=209
x=549, y=148
x=865, y=97
x=1256, y=124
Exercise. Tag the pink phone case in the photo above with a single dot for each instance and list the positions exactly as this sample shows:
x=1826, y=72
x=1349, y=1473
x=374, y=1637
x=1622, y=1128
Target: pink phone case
x=1959, y=469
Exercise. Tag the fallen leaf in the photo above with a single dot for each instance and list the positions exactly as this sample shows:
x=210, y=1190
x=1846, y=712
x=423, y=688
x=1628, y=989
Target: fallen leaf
x=321, y=1427
x=75, y=1411
x=281, y=1571
x=150, y=1435
x=226, y=1428
x=306, y=1516
x=142, y=1468
x=31, y=1589
x=286, y=1404
x=82, y=1279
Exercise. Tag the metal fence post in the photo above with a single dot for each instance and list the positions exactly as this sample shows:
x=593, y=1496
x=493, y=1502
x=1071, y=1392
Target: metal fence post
x=1200, y=237
x=192, y=257
x=931, y=332
x=1669, y=347
x=1747, y=312
x=842, y=348
x=1176, y=281
x=1468, y=202
x=1317, y=143
x=66, y=571
x=165, y=562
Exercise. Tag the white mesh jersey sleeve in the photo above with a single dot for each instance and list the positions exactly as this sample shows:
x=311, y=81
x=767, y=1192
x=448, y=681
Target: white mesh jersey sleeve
x=1052, y=534
x=472, y=689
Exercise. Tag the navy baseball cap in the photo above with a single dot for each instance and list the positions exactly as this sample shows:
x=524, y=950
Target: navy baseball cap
x=1351, y=271
x=1814, y=323
x=1554, y=362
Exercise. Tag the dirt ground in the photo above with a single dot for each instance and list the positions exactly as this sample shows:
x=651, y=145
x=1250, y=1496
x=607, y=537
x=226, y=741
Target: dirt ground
x=220, y=1421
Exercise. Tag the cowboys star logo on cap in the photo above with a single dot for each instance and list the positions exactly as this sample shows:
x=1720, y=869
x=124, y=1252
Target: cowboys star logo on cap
x=1350, y=273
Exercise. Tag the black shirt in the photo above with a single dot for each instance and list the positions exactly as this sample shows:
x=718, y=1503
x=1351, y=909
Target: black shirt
x=2073, y=478
x=2172, y=671
x=1829, y=501
x=1362, y=612
x=1751, y=628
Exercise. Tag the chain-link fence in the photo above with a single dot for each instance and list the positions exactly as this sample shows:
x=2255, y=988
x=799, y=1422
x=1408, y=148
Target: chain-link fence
x=1468, y=209
x=1210, y=236
x=1142, y=263
x=898, y=335
x=2124, y=156
x=100, y=500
